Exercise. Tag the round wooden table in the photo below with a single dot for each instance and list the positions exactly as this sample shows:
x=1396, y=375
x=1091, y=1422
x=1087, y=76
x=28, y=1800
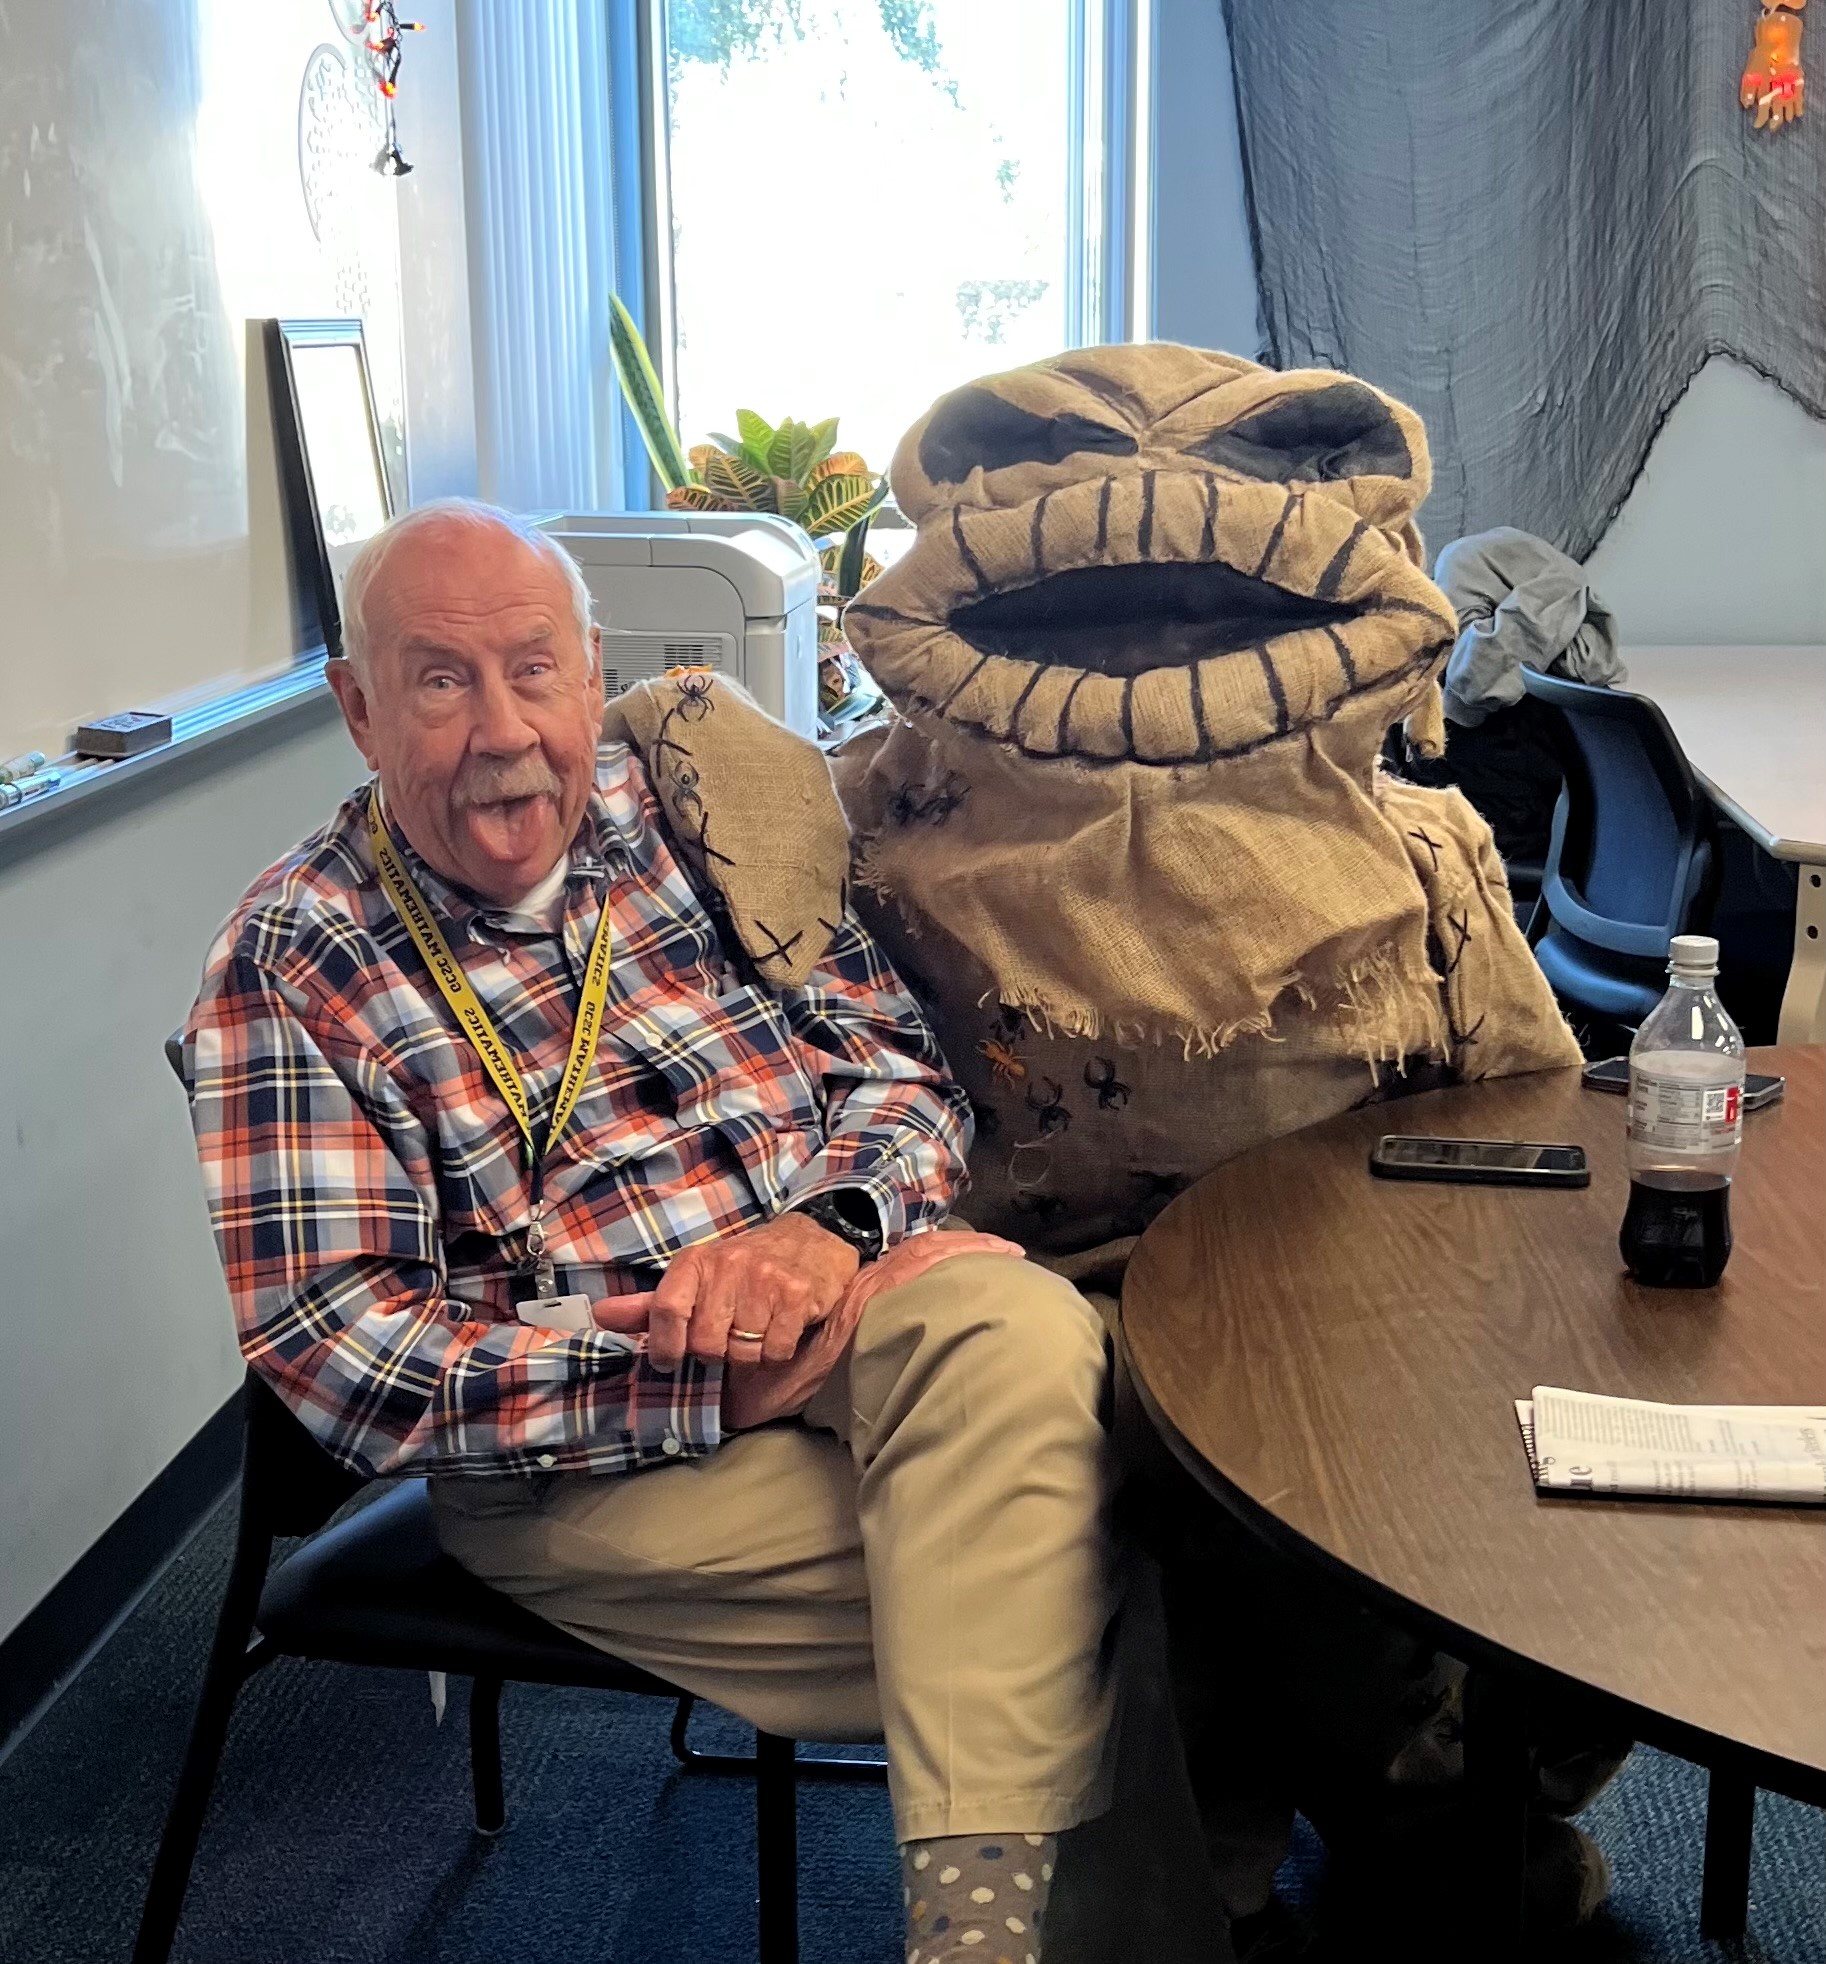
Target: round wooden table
x=1336, y=1359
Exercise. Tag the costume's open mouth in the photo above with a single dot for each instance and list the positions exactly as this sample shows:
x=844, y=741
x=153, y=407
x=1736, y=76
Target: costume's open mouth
x=1156, y=615
x=1127, y=620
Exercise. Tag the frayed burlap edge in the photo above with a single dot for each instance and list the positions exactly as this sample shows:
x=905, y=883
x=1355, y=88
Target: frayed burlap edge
x=1383, y=1010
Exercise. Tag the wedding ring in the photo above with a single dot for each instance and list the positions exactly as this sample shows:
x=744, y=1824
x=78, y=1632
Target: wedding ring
x=748, y=1336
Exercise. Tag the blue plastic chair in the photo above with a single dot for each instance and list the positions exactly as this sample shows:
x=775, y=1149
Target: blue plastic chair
x=1630, y=862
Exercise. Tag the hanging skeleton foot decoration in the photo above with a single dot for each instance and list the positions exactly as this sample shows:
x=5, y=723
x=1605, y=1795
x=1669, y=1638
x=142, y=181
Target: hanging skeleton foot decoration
x=381, y=29
x=1773, y=83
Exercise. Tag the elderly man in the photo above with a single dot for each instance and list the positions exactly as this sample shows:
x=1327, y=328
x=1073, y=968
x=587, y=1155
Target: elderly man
x=523, y=1179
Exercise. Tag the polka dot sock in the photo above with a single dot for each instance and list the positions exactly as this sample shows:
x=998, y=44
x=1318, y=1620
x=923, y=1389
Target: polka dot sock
x=977, y=1898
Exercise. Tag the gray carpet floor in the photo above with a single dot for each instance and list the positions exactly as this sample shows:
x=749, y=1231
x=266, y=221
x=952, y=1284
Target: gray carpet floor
x=341, y=1832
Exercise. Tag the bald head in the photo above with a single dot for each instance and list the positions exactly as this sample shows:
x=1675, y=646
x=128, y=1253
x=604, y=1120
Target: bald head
x=472, y=687
x=446, y=524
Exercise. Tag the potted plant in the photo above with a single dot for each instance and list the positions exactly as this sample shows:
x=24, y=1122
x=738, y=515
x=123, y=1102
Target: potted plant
x=791, y=469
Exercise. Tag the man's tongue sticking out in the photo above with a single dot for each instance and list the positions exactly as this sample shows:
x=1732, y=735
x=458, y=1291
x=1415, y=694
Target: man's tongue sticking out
x=511, y=812
x=512, y=829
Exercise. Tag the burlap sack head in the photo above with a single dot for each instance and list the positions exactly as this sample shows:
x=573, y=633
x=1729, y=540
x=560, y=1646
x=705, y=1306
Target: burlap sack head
x=1162, y=607
x=1155, y=555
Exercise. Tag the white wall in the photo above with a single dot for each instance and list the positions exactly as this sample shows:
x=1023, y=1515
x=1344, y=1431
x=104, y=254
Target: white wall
x=1723, y=540
x=114, y=1323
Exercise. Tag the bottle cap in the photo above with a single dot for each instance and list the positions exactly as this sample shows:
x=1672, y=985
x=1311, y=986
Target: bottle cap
x=1693, y=954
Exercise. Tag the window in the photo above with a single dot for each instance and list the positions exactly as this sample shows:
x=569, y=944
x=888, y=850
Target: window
x=872, y=201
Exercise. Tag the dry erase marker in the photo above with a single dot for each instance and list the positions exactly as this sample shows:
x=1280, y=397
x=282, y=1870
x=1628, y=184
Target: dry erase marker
x=34, y=786
x=24, y=765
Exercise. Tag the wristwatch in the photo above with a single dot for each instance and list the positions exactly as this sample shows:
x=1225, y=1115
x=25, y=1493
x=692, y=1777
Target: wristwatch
x=848, y=1213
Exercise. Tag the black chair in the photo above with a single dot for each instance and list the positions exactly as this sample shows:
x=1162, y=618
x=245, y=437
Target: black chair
x=378, y=1589
x=1630, y=862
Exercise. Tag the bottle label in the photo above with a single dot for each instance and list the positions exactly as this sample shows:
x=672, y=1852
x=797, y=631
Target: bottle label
x=1697, y=1120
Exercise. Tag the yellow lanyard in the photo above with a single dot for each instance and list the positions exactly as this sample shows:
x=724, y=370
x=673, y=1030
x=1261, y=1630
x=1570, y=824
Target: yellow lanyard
x=409, y=904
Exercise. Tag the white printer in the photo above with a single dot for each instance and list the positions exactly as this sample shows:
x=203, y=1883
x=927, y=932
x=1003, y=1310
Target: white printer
x=733, y=591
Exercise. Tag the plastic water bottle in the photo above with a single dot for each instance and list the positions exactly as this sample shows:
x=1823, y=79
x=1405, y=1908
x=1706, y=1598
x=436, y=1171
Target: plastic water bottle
x=1686, y=1096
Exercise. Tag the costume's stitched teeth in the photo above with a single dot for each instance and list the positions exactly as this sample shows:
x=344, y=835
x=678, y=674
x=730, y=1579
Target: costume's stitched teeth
x=1037, y=726
x=1094, y=728
x=1295, y=499
x=972, y=564
x=1239, y=707
x=1207, y=537
x=1331, y=581
x=986, y=697
x=1135, y=519
x=1271, y=675
x=1039, y=533
x=1224, y=704
x=1164, y=713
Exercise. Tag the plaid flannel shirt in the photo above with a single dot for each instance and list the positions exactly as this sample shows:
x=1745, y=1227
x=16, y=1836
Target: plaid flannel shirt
x=368, y=1185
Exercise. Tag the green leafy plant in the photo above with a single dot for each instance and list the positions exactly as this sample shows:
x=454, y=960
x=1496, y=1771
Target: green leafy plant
x=790, y=469
x=794, y=470
x=640, y=385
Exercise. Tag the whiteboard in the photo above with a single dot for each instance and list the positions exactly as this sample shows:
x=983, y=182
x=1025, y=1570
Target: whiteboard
x=169, y=169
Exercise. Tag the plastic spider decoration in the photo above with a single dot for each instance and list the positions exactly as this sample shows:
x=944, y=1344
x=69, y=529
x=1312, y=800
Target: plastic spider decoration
x=685, y=794
x=914, y=806
x=695, y=700
x=1046, y=1102
x=1045, y=1207
x=1112, y=1093
x=1004, y=1065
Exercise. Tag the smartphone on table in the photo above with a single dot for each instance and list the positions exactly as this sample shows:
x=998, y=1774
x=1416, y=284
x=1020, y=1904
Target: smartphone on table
x=1613, y=1075
x=1479, y=1162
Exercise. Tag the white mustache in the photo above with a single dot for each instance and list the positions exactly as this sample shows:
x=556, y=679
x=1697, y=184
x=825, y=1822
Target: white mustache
x=484, y=781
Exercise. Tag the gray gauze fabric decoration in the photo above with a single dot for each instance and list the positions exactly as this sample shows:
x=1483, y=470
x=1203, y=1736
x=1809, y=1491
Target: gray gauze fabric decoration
x=1534, y=220
x=1520, y=603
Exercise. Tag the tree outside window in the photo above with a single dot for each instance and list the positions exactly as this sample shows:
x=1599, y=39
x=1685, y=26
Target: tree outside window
x=870, y=203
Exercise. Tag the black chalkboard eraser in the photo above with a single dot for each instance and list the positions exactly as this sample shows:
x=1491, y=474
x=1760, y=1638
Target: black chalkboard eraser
x=125, y=735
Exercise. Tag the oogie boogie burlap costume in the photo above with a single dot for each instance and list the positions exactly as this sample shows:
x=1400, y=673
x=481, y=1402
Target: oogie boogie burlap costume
x=1130, y=833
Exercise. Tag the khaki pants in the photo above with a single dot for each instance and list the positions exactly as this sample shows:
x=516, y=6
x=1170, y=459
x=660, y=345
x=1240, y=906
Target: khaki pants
x=924, y=1559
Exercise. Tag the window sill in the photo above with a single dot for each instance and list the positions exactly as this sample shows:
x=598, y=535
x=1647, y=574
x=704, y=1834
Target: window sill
x=92, y=783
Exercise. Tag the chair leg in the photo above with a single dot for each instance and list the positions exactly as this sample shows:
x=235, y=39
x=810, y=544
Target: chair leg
x=681, y=1731
x=1499, y=1767
x=777, y=1848
x=485, y=1754
x=1724, y=1898
x=230, y=1666
x=807, y=1766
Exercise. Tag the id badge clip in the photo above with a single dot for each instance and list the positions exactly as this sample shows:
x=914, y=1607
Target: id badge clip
x=568, y=1313
x=540, y=1305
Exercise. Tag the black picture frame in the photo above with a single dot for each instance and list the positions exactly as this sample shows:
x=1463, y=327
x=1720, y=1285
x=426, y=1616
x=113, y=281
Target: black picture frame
x=309, y=536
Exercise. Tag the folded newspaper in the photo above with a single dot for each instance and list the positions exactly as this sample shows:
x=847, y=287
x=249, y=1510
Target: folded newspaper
x=1579, y=1442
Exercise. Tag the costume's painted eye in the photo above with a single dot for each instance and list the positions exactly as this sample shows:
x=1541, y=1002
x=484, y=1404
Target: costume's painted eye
x=1320, y=435
x=976, y=429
